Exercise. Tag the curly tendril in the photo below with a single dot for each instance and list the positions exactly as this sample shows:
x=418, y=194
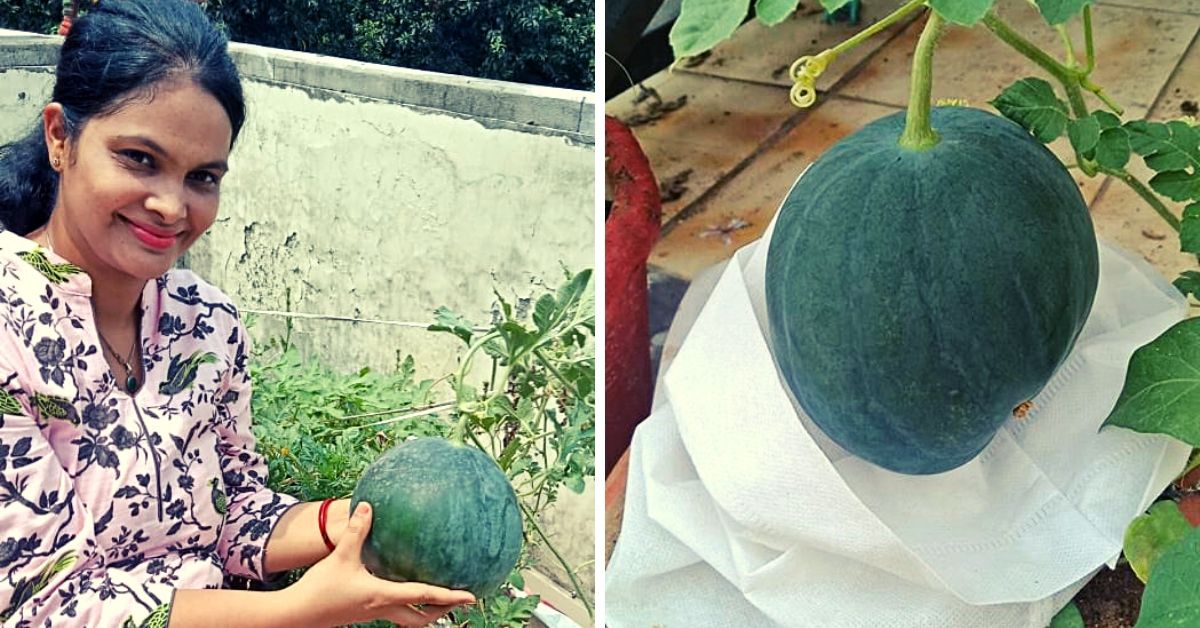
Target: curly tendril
x=804, y=73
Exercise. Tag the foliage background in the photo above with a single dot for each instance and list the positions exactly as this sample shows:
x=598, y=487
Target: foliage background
x=544, y=42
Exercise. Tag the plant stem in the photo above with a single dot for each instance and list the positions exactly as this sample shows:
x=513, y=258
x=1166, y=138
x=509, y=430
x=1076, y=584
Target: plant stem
x=530, y=517
x=1087, y=41
x=1068, y=77
x=876, y=28
x=1146, y=194
x=918, y=133
x=1066, y=37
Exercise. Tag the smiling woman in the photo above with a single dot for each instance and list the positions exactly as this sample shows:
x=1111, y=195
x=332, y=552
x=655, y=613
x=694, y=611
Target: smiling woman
x=129, y=483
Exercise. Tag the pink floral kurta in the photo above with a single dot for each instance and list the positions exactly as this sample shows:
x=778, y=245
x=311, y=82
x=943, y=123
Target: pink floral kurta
x=109, y=502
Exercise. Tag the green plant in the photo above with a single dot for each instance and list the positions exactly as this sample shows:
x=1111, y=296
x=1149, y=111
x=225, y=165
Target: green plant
x=547, y=42
x=1162, y=388
x=534, y=411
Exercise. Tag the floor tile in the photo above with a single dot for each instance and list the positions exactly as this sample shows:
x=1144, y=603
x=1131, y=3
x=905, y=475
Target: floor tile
x=1181, y=6
x=746, y=203
x=719, y=125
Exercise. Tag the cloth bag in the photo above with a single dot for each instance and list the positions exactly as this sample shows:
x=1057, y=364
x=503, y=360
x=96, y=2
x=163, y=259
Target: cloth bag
x=739, y=511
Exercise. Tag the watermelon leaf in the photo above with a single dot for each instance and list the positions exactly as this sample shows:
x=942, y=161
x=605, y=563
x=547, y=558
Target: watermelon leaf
x=1189, y=283
x=1068, y=617
x=1031, y=103
x=772, y=12
x=965, y=12
x=703, y=24
x=1153, y=533
x=1059, y=11
x=1177, y=185
x=1189, y=229
x=1112, y=151
x=1166, y=146
x=1084, y=133
x=1173, y=590
x=1162, y=388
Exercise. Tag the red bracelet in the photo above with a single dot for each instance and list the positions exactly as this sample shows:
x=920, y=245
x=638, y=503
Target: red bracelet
x=322, y=517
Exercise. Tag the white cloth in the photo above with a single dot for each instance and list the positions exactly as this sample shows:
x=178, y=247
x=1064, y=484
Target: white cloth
x=740, y=512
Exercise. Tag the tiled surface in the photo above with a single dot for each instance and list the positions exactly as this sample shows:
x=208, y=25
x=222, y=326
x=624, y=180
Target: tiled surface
x=755, y=194
x=1180, y=6
x=763, y=54
x=722, y=124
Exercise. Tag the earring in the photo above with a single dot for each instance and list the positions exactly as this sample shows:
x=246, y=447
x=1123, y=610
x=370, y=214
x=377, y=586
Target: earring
x=56, y=163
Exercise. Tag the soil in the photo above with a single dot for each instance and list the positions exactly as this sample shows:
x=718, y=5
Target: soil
x=1112, y=599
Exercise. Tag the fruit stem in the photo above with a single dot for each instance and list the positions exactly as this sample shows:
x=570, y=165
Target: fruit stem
x=918, y=133
x=530, y=517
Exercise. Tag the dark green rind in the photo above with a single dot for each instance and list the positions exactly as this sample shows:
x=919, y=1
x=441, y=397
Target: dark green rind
x=915, y=298
x=443, y=514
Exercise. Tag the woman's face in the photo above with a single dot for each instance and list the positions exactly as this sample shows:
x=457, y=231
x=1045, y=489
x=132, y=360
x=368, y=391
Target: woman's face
x=137, y=187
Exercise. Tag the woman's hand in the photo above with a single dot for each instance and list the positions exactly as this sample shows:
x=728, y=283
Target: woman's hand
x=339, y=589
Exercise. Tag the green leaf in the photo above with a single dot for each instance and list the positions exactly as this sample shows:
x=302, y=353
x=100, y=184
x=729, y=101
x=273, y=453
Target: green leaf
x=1189, y=283
x=575, y=483
x=772, y=12
x=965, y=12
x=1084, y=134
x=1189, y=229
x=1068, y=617
x=1112, y=151
x=447, y=320
x=517, y=580
x=1059, y=11
x=1031, y=103
x=1151, y=534
x=1162, y=388
x=1107, y=120
x=703, y=24
x=1177, y=185
x=1172, y=596
x=1165, y=146
x=543, y=312
x=833, y=5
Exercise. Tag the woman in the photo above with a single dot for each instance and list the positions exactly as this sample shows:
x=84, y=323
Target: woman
x=129, y=484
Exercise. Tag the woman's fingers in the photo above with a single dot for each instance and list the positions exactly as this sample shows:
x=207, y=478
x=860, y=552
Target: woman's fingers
x=425, y=594
x=350, y=545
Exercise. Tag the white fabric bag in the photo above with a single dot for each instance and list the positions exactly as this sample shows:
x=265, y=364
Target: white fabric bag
x=740, y=512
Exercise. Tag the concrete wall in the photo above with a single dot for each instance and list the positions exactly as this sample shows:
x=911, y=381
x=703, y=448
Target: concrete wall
x=381, y=193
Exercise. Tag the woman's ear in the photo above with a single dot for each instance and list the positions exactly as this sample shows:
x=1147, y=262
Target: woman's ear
x=54, y=126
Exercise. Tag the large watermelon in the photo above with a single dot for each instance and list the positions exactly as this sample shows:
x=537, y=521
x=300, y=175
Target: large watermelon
x=444, y=514
x=916, y=297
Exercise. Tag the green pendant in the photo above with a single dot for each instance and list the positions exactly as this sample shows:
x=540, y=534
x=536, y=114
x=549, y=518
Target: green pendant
x=131, y=383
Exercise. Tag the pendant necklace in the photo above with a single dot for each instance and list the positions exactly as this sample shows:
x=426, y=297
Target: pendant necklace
x=131, y=381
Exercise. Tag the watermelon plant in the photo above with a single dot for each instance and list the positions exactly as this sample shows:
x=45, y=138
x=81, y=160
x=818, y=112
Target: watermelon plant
x=1162, y=388
x=529, y=426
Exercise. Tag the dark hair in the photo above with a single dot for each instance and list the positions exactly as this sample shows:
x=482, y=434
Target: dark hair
x=118, y=52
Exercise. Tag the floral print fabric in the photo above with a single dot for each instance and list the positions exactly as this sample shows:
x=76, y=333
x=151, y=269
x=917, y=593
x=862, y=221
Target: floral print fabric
x=111, y=501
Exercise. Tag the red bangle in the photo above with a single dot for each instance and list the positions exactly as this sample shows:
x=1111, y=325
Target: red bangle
x=322, y=517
